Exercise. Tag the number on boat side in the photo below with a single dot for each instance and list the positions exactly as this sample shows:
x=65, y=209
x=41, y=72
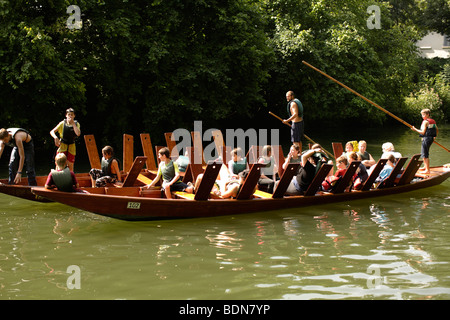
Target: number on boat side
x=134, y=205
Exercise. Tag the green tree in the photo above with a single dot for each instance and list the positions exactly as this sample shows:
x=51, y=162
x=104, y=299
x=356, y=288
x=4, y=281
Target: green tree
x=334, y=36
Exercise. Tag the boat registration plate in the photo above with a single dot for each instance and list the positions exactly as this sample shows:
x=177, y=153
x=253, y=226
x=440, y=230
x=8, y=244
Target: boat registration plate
x=134, y=205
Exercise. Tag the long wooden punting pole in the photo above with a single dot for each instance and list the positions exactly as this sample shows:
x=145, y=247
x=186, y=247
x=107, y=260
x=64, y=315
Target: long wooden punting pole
x=312, y=141
x=369, y=101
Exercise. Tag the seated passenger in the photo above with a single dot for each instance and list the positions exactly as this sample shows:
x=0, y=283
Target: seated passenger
x=183, y=162
x=351, y=146
x=305, y=175
x=293, y=156
x=384, y=174
x=109, y=173
x=62, y=178
x=388, y=149
x=170, y=174
x=268, y=172
x=237, y=163
x=366, y=158
x=331, y=180
x=215, y=189
x=361, y=173
x=233, y=186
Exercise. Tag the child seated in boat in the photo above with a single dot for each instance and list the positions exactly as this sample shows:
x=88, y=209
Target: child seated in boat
x=386, y=170
x=62, y=179
x=366, y=158
x=170, y=174
x=350, y=146
x=330, y=181
x=109, y=173
x=361, y=173
x=388, y=149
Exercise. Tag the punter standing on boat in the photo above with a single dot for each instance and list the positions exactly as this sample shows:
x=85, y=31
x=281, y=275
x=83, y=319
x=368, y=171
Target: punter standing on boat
x=428, y=132
x=22, y=155
x=295, y=111
x=68, y=130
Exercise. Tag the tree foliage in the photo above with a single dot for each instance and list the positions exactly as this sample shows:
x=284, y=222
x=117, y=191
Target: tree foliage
x=153, y=66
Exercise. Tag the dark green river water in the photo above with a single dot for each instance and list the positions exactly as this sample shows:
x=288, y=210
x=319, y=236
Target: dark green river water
x=383, y=248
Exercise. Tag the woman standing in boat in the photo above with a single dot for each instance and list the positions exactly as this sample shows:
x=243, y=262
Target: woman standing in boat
x=68, y=130
x=428, y=132
x=170, y=173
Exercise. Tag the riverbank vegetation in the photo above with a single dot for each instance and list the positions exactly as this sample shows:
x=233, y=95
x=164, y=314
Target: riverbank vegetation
x=133, y=66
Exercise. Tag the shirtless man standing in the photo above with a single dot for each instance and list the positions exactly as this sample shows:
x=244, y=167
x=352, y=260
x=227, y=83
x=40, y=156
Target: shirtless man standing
x=295, y=110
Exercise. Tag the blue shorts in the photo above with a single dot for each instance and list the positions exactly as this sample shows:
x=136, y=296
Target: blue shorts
x=426, y=144
x=297, y=131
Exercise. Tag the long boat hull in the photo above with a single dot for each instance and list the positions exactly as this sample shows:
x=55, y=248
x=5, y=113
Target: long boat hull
x=132, y=205
x=23, y=190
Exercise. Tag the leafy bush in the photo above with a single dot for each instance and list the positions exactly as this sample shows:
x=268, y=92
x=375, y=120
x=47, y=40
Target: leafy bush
x=425, y=98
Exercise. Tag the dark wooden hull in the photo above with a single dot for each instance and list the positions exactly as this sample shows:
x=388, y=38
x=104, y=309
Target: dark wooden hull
x=137, y=207
x=23, y=190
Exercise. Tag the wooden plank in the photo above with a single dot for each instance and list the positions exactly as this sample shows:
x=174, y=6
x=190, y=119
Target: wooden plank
x=410, y=170
x=338, y=150
x=208, y=180
x=374, y=175
x=172, y=145
x=253, y=154
x=198, y=147
x=278, y=155
x=347, y=178
x=262, y=194
x=134, y=172
x=225, y=154
x=92, y=151
x=249, y=185
x=147, y=148
x=283, y=184
x=157, y=148
x=128, y=150
x=389, y=181
x=218, y=140
x=318, y=179
x=194, y=168
x=144, y=179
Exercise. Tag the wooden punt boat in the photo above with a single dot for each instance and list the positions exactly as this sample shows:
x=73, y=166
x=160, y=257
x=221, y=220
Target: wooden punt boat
x=135, y=204
x=135, y=177
x=132, y=167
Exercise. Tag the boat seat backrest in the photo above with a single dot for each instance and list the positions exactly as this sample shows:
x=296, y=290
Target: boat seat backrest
x=147, y=148
x=135, y=170
x=338, y=150
x=283, y=184
x=249, y=185
x=92, y=151
x=374, y=174
x=343, y=183
x=318, y=179
x=208, y=180
x=389, y=181
x=410, y=170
